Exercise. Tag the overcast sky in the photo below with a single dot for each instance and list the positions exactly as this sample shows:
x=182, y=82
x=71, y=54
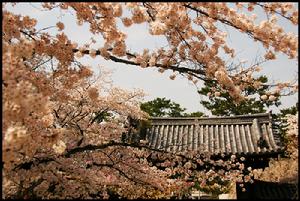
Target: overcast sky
x=156, y=84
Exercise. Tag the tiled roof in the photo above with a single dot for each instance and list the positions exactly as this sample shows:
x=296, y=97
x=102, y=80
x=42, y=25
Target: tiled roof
x=244, y=134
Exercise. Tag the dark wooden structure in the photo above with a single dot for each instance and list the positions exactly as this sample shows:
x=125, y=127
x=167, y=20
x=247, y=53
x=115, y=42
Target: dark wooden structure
x=268, y=190
x=250, y=136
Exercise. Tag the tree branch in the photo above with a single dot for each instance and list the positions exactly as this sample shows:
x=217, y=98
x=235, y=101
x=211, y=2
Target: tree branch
x=224, y=21
x=194, y=72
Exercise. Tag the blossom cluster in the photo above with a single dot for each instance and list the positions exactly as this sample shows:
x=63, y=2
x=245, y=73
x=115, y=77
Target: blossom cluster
x=186, y=43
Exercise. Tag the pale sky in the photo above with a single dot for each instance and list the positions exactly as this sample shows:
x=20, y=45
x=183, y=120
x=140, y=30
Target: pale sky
x=153, y=83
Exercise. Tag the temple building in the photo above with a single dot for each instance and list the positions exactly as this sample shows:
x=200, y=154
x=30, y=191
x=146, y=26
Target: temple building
x=250, y=136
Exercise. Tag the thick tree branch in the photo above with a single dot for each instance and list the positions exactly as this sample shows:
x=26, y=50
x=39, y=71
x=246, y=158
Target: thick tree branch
x=195, y=72
x=272, y=10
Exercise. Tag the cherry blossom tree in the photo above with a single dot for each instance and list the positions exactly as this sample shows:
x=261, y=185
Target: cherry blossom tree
x=190, y=28
x=62, y=125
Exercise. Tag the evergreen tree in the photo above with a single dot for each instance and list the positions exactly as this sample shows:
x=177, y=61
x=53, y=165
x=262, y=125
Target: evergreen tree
x=224, y=105
x=162, y=107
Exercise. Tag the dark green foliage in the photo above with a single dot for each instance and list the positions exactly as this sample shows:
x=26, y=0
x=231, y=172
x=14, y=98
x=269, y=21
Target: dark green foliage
x=194, y=114
x=292, y=110
x=162, y=107
x=225, y=105
x=101, y=116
